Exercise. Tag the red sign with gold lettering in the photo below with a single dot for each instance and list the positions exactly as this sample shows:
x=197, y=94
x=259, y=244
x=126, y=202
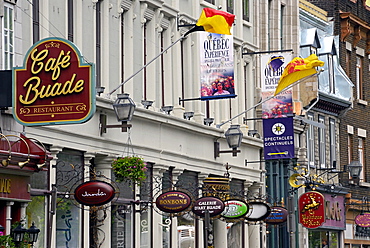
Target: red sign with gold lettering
x=311, y=206
x=54, y=86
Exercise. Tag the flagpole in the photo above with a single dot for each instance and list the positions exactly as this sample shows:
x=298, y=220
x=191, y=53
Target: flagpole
x=269, y=98
x=146, y=65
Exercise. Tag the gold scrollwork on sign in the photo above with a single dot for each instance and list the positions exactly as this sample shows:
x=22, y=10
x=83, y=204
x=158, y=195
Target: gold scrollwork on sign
x=24, y=111
x=81, y=107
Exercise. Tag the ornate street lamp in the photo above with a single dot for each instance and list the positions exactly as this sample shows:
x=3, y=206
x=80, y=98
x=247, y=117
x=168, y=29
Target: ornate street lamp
x=354, y=168
x=124, y=107
x=33, y=233
x=18, y=234
x=233, y=137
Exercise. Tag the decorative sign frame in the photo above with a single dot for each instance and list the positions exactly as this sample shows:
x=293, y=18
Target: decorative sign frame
x=311, y=207
x=54, y=86
x=94, y=193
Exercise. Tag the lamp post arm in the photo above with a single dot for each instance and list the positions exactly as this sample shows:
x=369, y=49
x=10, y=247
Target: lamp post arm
x=269, y=98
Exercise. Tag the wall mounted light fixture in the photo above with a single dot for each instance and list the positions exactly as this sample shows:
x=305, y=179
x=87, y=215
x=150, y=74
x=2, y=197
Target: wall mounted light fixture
x=234, y=138
x=124, y=108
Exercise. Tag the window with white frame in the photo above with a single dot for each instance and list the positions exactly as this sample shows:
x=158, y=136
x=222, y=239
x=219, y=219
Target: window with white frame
x=359, y=71
x=8, y=37
x=361, y=157
x=311, y=142
x=331, y=74
x=350, y=147
x=333, y=149
x=322, y=144
x=246, y=10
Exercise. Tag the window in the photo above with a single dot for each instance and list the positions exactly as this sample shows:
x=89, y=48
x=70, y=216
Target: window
x=8, y=37
x=322, y=144
x=282, y=13
x=350, y=147
x=98, y=44
x=348, y=62
x=36, y=20
x=310, y=143
x=70, y=20
x=210, y=1
x=359, y=71
x=361, y=157
x=332, y=132
x=230, y=6
x=331, y=74
x=246, y=10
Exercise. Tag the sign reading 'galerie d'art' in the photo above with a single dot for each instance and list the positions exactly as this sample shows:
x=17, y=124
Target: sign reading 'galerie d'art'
x=54, y=86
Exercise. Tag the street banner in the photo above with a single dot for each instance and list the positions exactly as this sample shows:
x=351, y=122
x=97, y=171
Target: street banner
x=216, y=66
x=278, y=138
x=272, y=67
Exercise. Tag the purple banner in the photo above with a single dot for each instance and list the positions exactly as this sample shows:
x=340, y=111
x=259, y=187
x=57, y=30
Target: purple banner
x=278, y=136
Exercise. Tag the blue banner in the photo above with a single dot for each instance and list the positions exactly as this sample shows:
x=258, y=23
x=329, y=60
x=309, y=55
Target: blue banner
x=278, y=138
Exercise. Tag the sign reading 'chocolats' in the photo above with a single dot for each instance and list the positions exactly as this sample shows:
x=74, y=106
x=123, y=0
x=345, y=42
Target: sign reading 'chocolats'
x=54, y=86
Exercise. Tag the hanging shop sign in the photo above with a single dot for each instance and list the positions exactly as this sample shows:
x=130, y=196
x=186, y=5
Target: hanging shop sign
x=216, y=66
x=173, y=201
x=54, y=86
x=258, y=210
x=311, y=207
x=363, y=220
x=94, y=193
x=217, y=187
x=235, y=209
x=278, y=138
x=14, y=187
x=334, y=212
x=277, y=216
x=213, y=205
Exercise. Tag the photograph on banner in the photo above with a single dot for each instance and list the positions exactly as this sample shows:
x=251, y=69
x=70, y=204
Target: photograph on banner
x=216, y=66
x=272, y=67
x=278, y=138
x=278, y=107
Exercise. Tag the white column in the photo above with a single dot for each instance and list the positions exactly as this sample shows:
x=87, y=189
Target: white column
x=174, y=234
x=157, y=224
x=8, y=224
x=201, y=177
x=23, y=216
x=54, y=150
x=219, y=234
x=103, y=167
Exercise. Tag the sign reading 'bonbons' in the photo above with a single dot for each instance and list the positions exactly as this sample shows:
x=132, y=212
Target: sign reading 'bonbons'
x=173, y=202
x=54, y=86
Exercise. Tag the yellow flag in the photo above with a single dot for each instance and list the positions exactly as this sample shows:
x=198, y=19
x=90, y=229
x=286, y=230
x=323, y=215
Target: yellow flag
x=297, y=69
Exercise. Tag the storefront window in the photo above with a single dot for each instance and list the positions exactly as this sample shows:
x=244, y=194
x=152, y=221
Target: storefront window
x=122, y=216
x=323, y=239
x=68, y=216
x=122, y=226
x=36, y=214
x=188, y=181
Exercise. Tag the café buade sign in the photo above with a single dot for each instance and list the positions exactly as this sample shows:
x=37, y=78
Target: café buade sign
x=173, y=201
x=94, y=193
x=54, y=86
